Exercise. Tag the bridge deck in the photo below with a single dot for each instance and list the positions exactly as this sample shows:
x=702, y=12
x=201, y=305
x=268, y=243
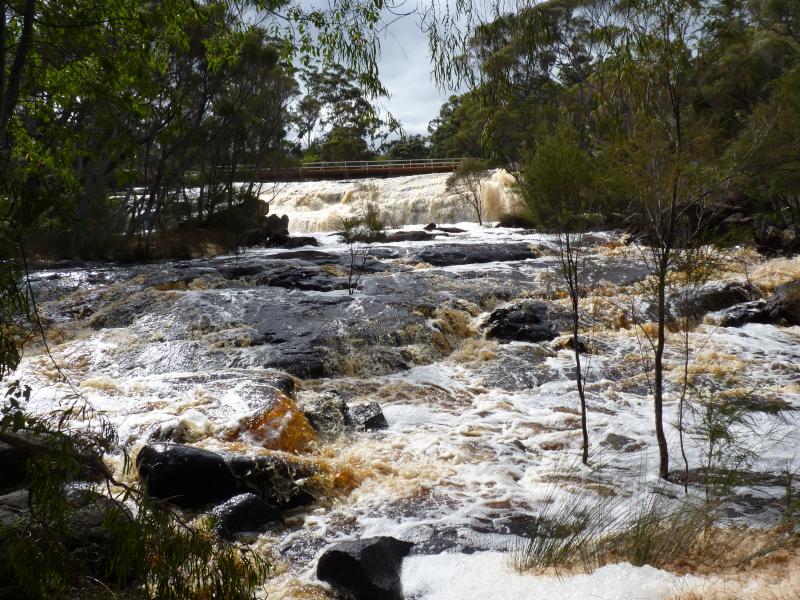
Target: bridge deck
x=351, y=169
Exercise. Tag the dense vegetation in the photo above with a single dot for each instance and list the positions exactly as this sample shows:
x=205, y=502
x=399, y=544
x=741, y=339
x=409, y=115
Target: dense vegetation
x=714, y=82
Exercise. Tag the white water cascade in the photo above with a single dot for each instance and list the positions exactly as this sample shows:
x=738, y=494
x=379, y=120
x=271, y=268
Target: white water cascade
x=414, y=199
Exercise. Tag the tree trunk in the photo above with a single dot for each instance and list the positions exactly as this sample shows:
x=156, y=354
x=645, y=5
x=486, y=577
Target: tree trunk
x=658, y=384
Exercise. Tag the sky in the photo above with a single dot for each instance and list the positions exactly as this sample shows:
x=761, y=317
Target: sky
x=405, y=70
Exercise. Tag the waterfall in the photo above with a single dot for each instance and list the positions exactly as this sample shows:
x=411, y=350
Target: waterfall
x=414, y=199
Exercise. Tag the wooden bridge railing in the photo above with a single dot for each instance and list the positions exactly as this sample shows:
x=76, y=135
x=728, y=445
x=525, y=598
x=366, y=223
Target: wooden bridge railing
x=350, y=168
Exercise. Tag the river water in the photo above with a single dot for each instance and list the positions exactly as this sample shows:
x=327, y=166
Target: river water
x=482, y=434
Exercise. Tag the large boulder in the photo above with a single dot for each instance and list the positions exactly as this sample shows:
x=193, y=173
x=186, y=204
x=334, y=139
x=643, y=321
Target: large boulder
x=192, y=477
x=245, y=512
x=526, y=321
x=367, y=569
x=186, y=476
x=713, y=297
x=784, y=304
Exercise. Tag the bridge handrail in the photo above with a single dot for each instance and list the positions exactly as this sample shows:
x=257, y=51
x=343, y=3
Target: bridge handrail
x=356, y=165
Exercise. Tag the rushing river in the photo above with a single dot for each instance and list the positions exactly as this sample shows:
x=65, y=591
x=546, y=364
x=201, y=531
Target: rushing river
x=481, y=433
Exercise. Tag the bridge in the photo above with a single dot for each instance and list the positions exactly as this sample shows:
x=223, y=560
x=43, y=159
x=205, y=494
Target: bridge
x=351, y=169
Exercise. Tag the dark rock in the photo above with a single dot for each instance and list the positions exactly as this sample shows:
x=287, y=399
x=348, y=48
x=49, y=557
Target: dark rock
x=408, y=236
x=192, y=477
x=771, y=239
x=622, y=443
x=327, y=412
x=747, y=312
x=14, y=469
x=515, y=221
x=784, y=304
x=713, y=297
x=275, y=225
x=467, y=254
x=245, y=512
x=288, y=241
x=451, y=229
x=13, y=507
x=185, y=476
x=273, y=479
x=430, y=227
x=367, y=569
x=368, y=416
x=527, y=321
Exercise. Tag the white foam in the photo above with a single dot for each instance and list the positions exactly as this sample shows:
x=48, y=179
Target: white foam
x=485, y=575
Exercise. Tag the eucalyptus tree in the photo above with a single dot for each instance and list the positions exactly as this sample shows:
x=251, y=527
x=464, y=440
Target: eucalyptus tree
x=557, y=183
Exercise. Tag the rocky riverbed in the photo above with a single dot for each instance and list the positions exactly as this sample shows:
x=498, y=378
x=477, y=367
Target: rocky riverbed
x=435, y=404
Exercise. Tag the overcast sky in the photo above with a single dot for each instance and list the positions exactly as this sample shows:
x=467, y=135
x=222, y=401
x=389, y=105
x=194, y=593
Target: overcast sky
x=405, y=71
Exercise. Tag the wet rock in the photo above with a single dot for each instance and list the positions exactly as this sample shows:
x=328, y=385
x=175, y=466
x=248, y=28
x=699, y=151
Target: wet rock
x=747, y=312
x=784, y=304
x=367, y=569
x=466, y=254
x=327, y=412
x=185, y=476
x=526, y=321
x=192, y=477
x=451, y=229
x=714, y=297
x=622, y=443
x=14, y=469
x=568, y=343
x=279, y=425
x=408, y=236
x=180, y=431
x=430, y=227
x=245, y=512
x=368, y=416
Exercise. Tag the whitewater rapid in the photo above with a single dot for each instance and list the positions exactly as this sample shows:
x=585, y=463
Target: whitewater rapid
x=479, y=432
x=315, y=206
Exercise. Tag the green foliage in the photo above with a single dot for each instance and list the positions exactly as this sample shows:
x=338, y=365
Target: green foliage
x=407, y=147
x=557, y=183
x=469, y=181
x=359, y=232
x=79, y=541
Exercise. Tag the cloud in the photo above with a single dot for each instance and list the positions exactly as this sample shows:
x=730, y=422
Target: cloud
x=405, y=71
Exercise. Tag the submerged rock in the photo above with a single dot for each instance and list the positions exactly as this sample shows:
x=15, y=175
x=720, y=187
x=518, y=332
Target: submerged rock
x=279, y=425
x=368, y=416
x=245, y=512
x=466, y=254
x=367, y=569
x=192, y=477
x=409, y=236
x=327, y=412
x=526, y=321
